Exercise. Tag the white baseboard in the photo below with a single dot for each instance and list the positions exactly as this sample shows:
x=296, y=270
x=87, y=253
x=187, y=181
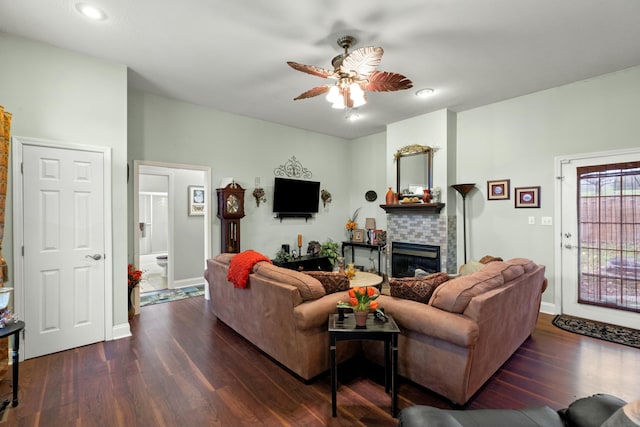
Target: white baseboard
x=549, y=308
x=121, y=331
x=188, y=282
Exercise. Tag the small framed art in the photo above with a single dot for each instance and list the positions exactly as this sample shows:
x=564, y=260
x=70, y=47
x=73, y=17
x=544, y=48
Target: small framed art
x=358, y=236
x=527, y=197
x=498, y=190
x=196, y=201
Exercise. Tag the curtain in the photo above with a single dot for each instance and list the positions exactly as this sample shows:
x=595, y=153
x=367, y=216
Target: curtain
x=5, y=134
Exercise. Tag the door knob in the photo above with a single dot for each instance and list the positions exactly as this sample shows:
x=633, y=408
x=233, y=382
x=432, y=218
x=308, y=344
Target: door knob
x=568, y=245
x=96, y=257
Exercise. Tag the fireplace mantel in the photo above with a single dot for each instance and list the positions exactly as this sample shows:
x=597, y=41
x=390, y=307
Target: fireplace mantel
x=414, y=208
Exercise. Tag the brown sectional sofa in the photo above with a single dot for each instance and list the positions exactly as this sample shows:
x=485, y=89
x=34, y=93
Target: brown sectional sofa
x=283, y=312
x=470, y=327
x=452, y=345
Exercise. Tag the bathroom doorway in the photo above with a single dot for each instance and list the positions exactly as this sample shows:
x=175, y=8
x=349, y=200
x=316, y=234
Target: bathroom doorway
x=171, y=243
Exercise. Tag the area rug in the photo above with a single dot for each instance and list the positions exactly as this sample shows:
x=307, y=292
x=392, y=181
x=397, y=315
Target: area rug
x=603, y=331
x=168, y=295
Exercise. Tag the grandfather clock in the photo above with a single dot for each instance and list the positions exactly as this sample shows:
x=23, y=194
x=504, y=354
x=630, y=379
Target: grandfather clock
x=230, y=211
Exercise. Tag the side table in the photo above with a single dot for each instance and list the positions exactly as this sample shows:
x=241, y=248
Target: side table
x=14, y=329
x=343, y=330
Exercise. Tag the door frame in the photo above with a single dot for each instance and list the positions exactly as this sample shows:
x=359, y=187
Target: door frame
x=558, y=241
x=18, y=143
x=137, y=164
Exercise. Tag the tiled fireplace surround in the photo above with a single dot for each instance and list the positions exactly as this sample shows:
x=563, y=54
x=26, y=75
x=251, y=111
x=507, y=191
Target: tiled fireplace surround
x=436, y=230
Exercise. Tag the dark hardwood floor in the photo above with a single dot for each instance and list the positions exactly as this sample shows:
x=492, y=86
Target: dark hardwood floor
x=183, y=368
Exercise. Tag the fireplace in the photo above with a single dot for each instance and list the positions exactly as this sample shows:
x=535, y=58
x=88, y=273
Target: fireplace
x=407, y=257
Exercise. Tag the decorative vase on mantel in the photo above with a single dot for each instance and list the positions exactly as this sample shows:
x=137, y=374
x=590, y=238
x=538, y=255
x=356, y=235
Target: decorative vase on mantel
x=361, y=318
x=389, y=197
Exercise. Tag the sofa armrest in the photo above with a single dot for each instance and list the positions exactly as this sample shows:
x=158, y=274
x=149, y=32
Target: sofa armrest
x=315, y=313
x=430, y=321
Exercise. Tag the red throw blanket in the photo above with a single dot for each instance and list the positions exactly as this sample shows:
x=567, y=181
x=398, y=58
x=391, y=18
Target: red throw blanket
x=241, y=265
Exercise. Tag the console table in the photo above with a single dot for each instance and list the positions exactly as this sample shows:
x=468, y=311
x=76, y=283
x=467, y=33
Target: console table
x=307, y=262
x=14, y=329
x=354, y=245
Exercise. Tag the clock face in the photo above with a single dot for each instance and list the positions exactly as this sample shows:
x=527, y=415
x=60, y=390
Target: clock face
x=232, y=203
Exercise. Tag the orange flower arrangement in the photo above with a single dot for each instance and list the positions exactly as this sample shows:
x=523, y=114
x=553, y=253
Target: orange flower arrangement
x=361, y=299
x=351, y=222
x=134, y=276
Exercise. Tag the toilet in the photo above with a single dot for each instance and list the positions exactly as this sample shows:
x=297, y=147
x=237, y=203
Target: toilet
x=162, y=262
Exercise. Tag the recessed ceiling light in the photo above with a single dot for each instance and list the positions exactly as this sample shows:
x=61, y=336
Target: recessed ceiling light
x=423, y=93
x=91, y=12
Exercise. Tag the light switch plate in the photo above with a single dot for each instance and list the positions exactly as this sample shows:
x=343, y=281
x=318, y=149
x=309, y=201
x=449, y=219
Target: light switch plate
x=532, y=220
x=546, y=220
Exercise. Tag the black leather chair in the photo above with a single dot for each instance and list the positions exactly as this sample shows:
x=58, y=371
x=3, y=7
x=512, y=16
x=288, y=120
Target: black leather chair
x=590, y=411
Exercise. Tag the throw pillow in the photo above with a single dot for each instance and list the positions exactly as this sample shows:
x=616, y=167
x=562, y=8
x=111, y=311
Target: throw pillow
x=488, y=258
x=470, y=267
x=332, y=282
x=420, y=273
x=592, y=411
x=417, y=289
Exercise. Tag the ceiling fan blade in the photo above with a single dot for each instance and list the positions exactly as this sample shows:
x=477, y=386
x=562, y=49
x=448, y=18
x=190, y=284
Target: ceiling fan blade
x=318, y=90
x=310, y=69
x=362, y=61
x=384, y=81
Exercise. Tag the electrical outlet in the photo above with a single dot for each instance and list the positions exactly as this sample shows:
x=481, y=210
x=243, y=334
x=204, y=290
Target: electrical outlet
x=532, y=220
x=546, y=220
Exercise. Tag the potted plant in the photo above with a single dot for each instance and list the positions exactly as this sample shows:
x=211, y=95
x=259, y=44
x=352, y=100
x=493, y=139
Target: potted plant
x=361, y=301
x=330, y=250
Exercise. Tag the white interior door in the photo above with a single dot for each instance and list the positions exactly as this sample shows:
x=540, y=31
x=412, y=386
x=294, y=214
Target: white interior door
x=64, y=248
x=570, y=246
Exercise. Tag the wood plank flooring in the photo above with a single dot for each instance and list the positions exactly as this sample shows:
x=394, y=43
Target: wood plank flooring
x=184, y=368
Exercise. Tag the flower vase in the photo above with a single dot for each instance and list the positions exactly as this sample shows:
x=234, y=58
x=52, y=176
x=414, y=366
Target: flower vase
x=361, y=318
x=131, y=309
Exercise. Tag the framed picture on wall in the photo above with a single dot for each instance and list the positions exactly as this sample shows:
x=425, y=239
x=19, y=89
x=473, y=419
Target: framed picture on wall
x=527, y=197
x=498, y=190
x=358, y=235
x=196, y=201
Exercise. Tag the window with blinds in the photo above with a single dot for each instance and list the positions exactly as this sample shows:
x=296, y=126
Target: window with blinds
x=609, y=235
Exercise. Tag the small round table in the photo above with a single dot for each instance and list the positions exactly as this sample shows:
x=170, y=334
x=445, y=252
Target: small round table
x=362, y=279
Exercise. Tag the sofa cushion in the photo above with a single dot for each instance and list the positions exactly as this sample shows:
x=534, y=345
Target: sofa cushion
x=527, y=264
x=331, y=281
x=416, y=288
x=309, y=287
x=455, y=296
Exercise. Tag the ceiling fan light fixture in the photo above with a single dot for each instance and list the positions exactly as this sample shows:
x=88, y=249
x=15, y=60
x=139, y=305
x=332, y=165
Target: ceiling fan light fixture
x=333, y=95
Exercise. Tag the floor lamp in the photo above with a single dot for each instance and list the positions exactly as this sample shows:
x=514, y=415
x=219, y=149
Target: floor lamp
x=464, y=189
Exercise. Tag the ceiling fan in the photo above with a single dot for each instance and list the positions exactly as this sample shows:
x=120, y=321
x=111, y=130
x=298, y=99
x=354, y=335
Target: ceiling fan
x=356, y=75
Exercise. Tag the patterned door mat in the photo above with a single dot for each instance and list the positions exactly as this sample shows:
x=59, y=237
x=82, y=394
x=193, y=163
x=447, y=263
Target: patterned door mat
x=168, y=295
x=603, y=331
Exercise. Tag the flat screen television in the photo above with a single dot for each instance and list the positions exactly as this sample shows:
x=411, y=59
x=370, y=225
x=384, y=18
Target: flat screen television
x=295, y=196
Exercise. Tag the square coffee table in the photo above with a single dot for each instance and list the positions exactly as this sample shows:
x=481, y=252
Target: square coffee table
x=345, y=329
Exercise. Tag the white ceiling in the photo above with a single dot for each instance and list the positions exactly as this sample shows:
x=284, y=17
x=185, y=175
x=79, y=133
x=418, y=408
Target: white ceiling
x=231, y=55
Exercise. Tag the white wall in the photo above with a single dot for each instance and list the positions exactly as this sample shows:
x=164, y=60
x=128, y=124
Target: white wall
x=59, y=95
x=166, y=130
x=518, y=140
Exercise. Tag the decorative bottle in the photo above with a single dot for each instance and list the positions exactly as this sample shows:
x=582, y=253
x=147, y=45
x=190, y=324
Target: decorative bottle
x=389, y=197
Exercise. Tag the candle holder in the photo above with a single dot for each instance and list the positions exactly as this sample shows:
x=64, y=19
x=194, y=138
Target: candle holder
x=299, y=251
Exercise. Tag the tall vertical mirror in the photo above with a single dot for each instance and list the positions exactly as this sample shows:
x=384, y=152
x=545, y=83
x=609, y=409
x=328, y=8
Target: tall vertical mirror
x=414, y=165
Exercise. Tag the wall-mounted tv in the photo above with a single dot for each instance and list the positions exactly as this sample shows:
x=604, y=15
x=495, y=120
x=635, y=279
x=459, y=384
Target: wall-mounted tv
x=295, y=197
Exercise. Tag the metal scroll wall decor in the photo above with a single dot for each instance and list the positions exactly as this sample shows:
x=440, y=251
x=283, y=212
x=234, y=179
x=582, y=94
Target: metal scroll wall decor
x=293, y=169
x=5, y=133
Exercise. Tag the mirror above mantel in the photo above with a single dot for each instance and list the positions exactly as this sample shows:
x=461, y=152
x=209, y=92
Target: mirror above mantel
x=414, y=170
